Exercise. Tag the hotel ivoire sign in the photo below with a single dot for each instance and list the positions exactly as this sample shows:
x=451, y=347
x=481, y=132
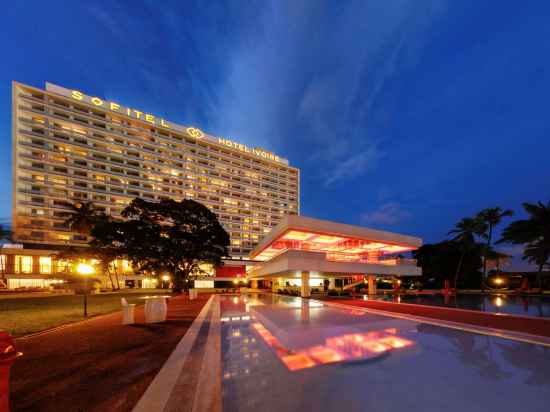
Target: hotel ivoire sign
x=159, y=121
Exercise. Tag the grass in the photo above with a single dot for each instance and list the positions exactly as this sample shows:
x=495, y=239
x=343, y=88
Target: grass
x=24, y=315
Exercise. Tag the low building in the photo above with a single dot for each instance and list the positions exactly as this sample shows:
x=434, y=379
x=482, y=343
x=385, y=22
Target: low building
x=29, y=268
x=32, y=269
x=311, y=253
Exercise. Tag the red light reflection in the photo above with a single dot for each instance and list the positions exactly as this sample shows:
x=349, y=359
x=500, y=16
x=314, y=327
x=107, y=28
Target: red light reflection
x=343, y=348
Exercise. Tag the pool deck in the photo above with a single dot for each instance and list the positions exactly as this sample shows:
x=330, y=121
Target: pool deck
x=496, y=321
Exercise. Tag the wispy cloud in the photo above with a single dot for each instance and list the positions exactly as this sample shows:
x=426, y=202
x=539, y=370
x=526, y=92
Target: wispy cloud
x=311, y=74
x=390, y=213
x=353, y=166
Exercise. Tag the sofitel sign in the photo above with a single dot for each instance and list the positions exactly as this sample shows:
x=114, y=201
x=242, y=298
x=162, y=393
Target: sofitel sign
x=157, y=121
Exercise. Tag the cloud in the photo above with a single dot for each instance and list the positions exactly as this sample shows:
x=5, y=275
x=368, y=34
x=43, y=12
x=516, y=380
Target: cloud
x=310, y=75
x=388, y=214
x=355, y=165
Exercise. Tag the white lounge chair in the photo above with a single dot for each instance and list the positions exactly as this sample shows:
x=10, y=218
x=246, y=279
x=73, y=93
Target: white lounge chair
x=127, y=312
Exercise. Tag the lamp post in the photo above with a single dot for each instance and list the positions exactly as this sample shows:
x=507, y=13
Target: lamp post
x=84, y=269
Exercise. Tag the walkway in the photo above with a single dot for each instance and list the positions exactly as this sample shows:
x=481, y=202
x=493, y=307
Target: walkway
x=521, y=324
x=98, y=364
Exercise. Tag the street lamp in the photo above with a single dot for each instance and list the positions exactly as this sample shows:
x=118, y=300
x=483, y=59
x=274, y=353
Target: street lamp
x=84, y=269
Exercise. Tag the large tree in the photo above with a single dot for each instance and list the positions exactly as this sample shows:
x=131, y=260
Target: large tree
x=439, y=261
x=465, y=233
x=174, y=237
x=534, y=234
x=491, y=217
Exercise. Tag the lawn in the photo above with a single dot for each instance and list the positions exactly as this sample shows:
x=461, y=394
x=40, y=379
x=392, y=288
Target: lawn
x=21, y=316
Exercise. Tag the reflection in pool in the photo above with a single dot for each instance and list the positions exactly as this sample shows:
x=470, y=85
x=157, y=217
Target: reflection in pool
x=342, y=348
x=284, y=354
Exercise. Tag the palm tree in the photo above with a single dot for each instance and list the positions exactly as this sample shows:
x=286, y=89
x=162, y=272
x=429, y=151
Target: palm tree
x=5, y=234
x=497, y=259
x=537, y=253
x=465, y=232
x=491, y=217
x=82, y=217
x=534, y=233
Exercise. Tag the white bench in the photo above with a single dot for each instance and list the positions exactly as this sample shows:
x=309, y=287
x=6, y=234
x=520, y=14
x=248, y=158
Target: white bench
x=127, y=312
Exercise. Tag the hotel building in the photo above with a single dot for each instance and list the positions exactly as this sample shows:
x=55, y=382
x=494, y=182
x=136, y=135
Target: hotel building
x=71, y=147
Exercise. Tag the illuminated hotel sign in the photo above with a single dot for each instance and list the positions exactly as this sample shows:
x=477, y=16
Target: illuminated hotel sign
x=243, y=148
x=158, y=121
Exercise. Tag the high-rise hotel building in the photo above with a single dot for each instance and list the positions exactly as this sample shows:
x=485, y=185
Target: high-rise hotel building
x=71, y=147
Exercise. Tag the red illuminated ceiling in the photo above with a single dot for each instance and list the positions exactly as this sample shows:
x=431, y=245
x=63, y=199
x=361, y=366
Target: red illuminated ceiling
x=338, y=248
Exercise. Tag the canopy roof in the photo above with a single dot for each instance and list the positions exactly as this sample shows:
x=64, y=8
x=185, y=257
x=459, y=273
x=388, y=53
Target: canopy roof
x=339, y=241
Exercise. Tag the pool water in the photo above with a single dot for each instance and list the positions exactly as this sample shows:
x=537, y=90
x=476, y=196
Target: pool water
x=498, y=303
x=288, y=354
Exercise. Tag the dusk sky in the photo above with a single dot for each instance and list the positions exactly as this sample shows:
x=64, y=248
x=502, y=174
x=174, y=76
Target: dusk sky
x=404, y=115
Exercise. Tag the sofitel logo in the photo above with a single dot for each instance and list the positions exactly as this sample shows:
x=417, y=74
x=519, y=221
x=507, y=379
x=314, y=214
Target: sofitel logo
x=194, y=132
x=115, y=107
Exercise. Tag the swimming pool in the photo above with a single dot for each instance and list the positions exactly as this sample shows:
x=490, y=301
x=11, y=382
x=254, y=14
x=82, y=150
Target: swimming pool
x=497, y=303
x=287, y=354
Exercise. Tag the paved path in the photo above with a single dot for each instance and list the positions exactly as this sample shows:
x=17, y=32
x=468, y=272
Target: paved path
x=99, y=364
x=521, y=324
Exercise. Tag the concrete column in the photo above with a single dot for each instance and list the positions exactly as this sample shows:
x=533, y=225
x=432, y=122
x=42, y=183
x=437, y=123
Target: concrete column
x=254, y=284
x=332, y=283
x=274, y=285
x=305, y=290
x=372, y=284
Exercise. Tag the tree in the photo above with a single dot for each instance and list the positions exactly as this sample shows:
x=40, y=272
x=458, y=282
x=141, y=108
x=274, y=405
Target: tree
x=175, y=237
x=534, y=234
x=465, y=233
x=5, y=234
x=537, y=253
x=440, y=260
x=491, y=217
x=82, y=216
x=495, y=259
x=106, y=246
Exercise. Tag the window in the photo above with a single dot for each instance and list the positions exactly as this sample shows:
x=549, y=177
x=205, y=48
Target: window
x=3, y=263
x=45, y=264
x=23, y=264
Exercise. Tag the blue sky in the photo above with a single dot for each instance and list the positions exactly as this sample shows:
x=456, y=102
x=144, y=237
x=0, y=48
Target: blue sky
x=403, y=115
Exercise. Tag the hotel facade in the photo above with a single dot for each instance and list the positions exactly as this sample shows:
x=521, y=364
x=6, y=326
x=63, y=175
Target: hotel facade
x=71, y=147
